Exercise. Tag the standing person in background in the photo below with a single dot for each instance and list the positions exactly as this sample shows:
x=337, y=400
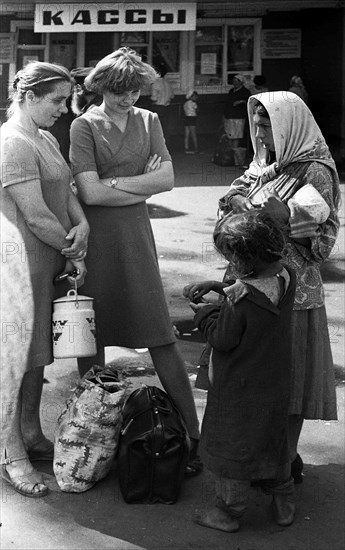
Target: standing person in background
x=190, y=109
x=259, y=84
x=48, y=231
x=161, y=96
x=297, y=87
x=61, y=128
x=120, y=159
x=235, y=113
x=82, y=99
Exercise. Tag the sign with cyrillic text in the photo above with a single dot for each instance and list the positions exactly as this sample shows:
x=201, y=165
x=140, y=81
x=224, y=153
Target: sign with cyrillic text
x=115, y=17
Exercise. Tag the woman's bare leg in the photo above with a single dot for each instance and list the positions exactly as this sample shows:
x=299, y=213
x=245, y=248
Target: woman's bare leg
x=31, y=400
x=172, y=373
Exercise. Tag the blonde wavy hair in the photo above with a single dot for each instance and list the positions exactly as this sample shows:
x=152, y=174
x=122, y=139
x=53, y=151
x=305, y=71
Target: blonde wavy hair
x=121, y=71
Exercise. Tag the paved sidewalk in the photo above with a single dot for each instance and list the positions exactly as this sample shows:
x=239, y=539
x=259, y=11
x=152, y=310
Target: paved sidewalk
x=183, y=222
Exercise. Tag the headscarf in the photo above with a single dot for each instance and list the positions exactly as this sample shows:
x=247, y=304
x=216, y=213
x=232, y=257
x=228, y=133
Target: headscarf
x=297, y=137
x=240, y=77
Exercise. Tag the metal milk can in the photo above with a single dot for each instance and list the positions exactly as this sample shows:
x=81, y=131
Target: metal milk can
x=74, y=327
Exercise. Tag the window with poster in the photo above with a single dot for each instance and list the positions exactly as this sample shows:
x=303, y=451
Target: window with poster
x=224, y=48
x=63, y=49
x=161, y=49
x=30, y=45
x=209, y=53
x=138, y=41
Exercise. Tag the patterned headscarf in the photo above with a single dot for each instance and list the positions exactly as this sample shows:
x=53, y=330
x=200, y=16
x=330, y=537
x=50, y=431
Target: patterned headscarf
x=297, y=137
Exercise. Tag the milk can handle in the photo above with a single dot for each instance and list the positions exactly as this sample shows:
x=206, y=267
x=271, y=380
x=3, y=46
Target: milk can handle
x=74, y=292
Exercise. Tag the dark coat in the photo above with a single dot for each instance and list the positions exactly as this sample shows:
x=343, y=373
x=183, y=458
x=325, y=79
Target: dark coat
x=244, y=431
x=236, y=111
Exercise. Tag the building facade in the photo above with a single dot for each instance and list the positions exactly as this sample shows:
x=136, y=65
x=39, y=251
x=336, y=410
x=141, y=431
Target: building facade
x=202, y=45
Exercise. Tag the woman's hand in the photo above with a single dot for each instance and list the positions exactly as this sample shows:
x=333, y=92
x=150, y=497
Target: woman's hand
x=195, y=291
x=154, y=163
x=79, y=235
x=276, y=208
x=82, y=271
x=239, y=204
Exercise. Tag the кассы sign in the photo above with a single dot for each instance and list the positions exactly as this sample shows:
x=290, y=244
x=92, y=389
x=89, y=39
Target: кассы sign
x=115, y=17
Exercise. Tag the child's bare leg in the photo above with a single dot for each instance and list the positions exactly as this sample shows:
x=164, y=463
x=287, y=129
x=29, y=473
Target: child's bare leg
x=232, y=495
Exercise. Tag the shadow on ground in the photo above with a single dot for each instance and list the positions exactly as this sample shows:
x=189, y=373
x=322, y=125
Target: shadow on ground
x=156, y=211
x=319, y=503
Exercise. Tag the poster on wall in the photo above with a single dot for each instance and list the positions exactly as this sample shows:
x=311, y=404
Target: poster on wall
x=281, y=43
x=240, y=48
x=165, y=51
x=208, y=63
x=7, y=48
x=63, y=51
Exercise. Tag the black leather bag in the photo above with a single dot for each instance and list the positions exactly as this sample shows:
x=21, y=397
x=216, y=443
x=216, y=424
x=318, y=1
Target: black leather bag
x=153, y=448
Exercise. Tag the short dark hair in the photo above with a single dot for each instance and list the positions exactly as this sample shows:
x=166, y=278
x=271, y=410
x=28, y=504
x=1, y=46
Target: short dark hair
x=259, y=80
x=244, y=238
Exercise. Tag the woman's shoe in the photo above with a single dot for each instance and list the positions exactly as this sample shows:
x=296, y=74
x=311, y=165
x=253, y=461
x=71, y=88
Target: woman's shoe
x=41, y=450
x=297, y=469
x=28, y=485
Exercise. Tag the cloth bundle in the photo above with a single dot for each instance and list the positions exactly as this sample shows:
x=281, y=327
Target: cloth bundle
x=308, y=210
x=88, y=430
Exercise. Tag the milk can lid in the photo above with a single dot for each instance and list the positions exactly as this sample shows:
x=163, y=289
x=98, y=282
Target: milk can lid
x=73, y=296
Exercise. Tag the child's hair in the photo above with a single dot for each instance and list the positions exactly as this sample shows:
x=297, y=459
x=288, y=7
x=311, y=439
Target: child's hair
x=244, y=238
x=38, y=76
x=119, y=72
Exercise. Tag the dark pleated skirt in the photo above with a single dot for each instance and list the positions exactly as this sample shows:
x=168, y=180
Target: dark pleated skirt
x=312, y=382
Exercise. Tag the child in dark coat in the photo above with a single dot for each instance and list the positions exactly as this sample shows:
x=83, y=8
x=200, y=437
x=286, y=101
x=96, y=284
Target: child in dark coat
x=244, y=431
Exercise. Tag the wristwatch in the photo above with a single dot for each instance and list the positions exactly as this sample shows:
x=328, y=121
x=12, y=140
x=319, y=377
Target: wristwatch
x=114, y=182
